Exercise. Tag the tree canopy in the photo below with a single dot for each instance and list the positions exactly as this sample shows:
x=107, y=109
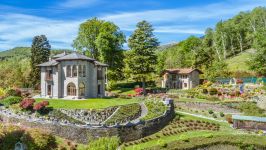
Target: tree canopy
x=141, y=59
x=102, y=41
x=40, y=52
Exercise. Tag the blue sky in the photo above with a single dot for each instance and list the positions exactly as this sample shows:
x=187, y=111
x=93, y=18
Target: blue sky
x=173, y=20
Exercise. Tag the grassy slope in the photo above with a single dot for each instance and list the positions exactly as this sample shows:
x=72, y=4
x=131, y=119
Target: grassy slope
x=238, y=62
x=88, y=104
x=23, y=52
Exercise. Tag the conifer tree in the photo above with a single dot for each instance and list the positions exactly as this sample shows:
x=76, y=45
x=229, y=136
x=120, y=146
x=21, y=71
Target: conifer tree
x=40, y=52
x=142, y=58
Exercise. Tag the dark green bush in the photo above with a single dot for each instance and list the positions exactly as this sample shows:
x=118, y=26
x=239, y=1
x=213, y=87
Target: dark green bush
x=204, y=91
x=210, y=111
x=213, y=91
x=11, y=100
x=13, y=92
x=221, y=114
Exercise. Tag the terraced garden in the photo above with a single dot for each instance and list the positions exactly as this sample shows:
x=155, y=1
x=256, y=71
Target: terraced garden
x=155, y=109
x=182, y=128
x=125, y=113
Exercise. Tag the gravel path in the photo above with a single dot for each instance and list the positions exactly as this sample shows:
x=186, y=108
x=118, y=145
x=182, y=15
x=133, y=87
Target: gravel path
x=144, y=112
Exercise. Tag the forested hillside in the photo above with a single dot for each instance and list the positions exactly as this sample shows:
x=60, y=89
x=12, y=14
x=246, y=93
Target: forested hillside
x=228, y=39
x=15, y=66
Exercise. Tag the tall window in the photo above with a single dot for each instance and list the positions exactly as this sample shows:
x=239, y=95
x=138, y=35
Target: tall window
x=80, y=71
x=173, y=77
x=84, y=71
x=81, y=89
x=74, y=71
x=68, y=71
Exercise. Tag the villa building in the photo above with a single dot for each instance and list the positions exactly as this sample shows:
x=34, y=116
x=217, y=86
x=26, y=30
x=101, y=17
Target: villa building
x=72, y=76
x=184, y=78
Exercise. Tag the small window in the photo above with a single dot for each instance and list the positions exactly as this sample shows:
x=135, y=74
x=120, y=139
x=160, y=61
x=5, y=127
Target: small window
x=84, y=71
x=99, y=89
x=174, y=77
x=80, y=71
x=68, y=71
x=74, y=71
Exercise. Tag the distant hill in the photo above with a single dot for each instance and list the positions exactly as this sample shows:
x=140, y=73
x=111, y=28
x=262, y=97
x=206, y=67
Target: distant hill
x=24, y=52
x=238, y=62
x=18, y=52
x=166, y=46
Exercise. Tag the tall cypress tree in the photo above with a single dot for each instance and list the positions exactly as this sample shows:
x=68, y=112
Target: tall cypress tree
x=142, y=58
x=40, y=52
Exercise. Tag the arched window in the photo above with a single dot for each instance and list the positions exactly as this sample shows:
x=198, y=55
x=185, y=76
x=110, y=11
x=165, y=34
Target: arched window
x=71, y=89
x=74, y=71
x=80, y=71
x=84, y=71
x=81, y=89
x=68, y=71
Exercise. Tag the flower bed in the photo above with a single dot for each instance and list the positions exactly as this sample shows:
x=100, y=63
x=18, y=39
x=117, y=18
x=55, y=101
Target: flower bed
x=155, y=109
x=125, y=113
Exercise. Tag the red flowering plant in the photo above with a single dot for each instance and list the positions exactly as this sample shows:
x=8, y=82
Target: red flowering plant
x=27, y=103
x=138, y=91
x=40, y=107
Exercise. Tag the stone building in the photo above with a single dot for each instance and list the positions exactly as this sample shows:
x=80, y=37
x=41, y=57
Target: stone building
x=72, y=76
x=183, y=78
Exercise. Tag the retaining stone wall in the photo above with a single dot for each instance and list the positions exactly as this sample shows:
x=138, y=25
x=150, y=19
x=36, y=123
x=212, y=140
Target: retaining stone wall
x=80, y=134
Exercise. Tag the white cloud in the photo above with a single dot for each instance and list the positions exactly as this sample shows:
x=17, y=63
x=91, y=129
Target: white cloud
x=78, y=3
x=184, y=16
x=18, y=30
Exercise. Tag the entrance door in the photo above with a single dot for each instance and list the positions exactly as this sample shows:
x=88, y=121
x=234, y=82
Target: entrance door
x=71, y=89
x=49, y=90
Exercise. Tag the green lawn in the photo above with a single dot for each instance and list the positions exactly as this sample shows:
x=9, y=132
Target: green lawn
x=95, y=103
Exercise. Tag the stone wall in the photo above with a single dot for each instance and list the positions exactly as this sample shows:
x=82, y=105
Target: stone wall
x=82, y=134
x=90, y=116
x=251, y=125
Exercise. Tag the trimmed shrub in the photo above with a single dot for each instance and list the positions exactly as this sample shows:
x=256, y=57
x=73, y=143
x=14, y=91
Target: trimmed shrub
x=27, y=103
x=221, y=114
x=204, y=91
x=10, y=100
x=210, y=111
x=40, y=106
x=213, y=91
x=13, y=92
